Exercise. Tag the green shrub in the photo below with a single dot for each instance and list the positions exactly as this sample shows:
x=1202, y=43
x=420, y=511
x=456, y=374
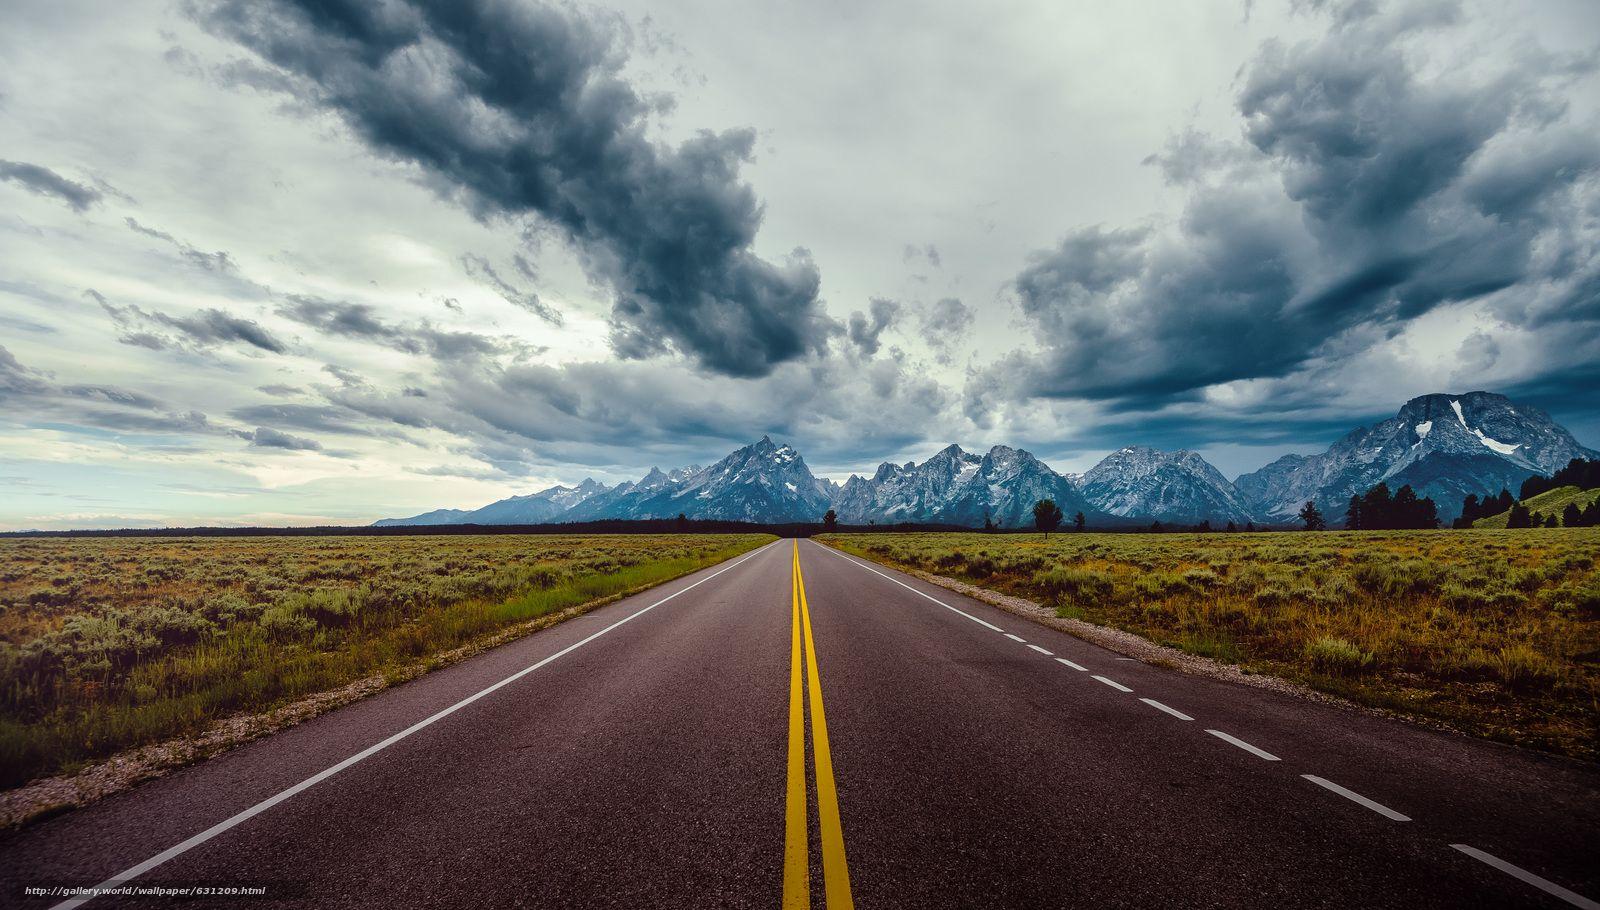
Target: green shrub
x=1522, y=668
x=1459, y=597
x=1068, y=585
x=282, y=624
x=1337, y=656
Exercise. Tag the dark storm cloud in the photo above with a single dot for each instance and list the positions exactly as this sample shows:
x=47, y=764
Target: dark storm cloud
x=522, y=110
x=135, y=422
x=1366, y=194
x=361, y=321
x=16, y=379
x=480, y=269
x=111, y=395
x=592, y=413
x=864, y=330
x=268, y=438
x=31, y=393
x=946, y=326
x=308, y=417
x=947, y=320
x=45, y=182
x=205, y=328
x=219, y=261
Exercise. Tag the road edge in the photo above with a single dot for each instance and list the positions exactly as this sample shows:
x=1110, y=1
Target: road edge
x=1130, y=644
x=48, y=797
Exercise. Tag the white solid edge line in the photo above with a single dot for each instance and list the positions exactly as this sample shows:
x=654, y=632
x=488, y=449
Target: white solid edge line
x=1016, y=638
x=1041, y=650
x=1545, y=885
x=987, y=625
x=244, y=816
x=1357, y=798
x=1161, y=707
x=1114, y=684
x=1080, y=667
x=1259, y=753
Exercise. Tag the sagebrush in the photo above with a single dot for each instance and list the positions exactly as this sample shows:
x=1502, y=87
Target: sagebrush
x=107, y=643
x=1497, y=632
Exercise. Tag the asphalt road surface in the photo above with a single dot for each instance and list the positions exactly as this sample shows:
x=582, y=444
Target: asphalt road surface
x=797, y=727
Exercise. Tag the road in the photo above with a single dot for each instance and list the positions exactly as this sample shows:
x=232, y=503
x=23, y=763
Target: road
x=798, y=727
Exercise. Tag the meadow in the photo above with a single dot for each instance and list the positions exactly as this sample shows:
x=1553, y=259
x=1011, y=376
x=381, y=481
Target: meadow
x=1495, y=633
x=110, y=643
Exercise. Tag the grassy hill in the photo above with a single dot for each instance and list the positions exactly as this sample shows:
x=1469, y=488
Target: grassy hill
x=1550, y=502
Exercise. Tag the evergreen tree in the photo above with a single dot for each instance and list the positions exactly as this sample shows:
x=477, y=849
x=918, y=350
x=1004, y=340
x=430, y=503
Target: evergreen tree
x=1232, y=528
x=1249, y=526
x=1204, y=527
x=1376, y=508
x=1591, y=514
x=1046, y=516
x=1572, y=516
x=830, y=521
x=1312, y=516
x=1503, y=502
x=1352, y=515
x=1519, y=517
x=1156, y=527
x=1078, y=522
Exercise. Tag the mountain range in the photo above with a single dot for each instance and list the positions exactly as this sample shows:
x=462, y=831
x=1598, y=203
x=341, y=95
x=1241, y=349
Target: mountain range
x=1444, y=446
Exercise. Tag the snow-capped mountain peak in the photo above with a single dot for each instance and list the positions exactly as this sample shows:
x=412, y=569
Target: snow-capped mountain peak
x=1444, y=446
x=1179, y=487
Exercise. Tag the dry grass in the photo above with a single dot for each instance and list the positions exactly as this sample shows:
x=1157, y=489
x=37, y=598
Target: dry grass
x=1495, y=632
x=110, y=643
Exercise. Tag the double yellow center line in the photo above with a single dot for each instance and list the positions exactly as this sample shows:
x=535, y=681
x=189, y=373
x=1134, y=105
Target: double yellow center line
x=796, y=846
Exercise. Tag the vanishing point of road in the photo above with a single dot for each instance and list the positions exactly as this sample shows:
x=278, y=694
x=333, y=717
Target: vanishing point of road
x=801, y=728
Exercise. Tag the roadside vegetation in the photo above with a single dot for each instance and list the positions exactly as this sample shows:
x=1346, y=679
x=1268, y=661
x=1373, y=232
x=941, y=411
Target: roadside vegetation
x=1495, y=632
x=110, y=643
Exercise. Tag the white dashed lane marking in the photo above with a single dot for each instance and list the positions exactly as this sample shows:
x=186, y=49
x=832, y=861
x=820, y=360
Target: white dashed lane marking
x=1545, y=885
x=987, y=625
x=1259, y=753
x=1161, y=707
x=1040, y=650
x=1114, y=684
x=1357, y=798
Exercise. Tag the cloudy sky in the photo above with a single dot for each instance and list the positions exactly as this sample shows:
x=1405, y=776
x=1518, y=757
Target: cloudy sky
x=277, y=262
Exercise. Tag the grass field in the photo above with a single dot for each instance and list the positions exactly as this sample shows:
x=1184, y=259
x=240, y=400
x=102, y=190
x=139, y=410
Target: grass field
x=1548, y=503
x=108, y=643
x=1495, y=632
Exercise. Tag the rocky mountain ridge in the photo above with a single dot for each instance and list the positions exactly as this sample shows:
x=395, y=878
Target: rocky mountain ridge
x=1444, y=446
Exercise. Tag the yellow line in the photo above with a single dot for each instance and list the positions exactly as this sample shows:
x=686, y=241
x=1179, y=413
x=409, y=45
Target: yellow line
x=835, y=873
x=796, y=861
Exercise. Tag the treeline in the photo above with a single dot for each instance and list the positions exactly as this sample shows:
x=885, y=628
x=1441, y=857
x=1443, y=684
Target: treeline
x=1379, y=510
x=1472, y=509
x=1571, y=517
x=1579, y=472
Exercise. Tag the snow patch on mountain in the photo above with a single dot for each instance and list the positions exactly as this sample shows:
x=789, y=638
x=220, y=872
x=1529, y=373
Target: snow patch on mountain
x=1492, y=443
x=1177, y=487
